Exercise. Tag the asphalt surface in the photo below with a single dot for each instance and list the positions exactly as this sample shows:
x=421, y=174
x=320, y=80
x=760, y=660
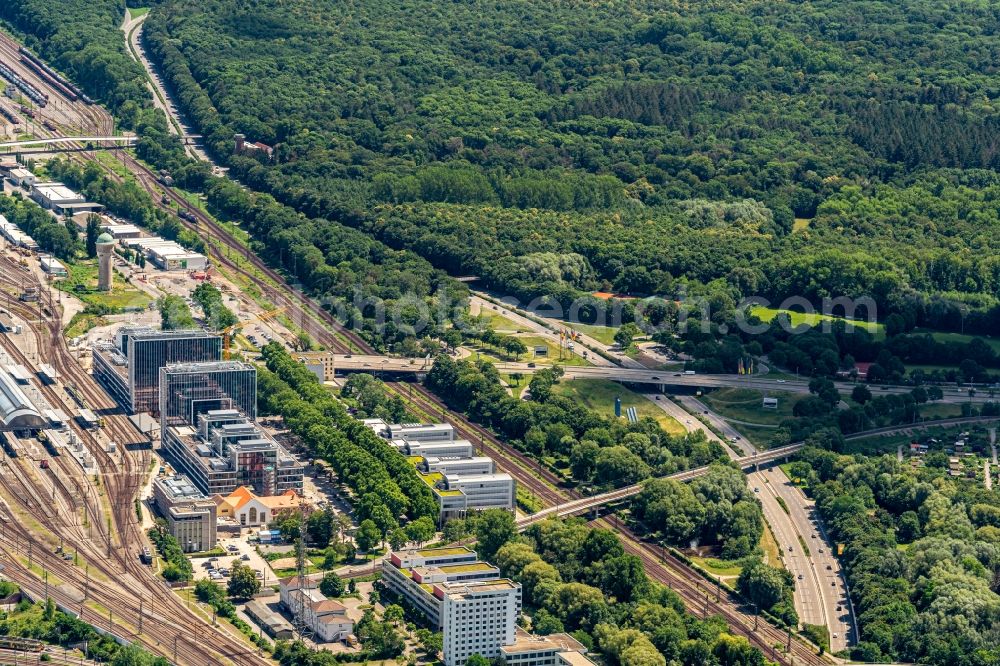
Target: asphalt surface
x=371, y=363
x=820, y=586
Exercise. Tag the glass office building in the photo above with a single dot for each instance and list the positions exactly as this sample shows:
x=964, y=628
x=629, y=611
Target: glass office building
x=189, y=389
x=130, y=367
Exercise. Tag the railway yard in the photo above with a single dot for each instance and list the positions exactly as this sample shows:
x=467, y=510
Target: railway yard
x=71, y=532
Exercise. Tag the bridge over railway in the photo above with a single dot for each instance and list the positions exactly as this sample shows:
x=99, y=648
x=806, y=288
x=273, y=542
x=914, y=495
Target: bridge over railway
x=117, y=140
x=103, y=140
x=585, y=504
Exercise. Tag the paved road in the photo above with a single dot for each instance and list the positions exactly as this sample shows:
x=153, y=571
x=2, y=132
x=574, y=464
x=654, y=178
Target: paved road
x=372, y=363
x=732, y=435
x=132, y=27
x=536, y=328
x=553, y=328
x=820, y=586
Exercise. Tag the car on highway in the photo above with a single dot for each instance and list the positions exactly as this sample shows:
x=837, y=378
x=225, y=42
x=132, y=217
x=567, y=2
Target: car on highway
x=780, y=381
x=655, y=377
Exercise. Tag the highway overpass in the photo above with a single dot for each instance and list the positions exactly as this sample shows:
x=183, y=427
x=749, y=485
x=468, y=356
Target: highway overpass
x=585, y=504
x=348, y=363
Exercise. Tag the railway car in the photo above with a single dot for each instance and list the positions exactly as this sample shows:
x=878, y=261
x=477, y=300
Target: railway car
x=52, y=77
x=11, y=117
x=49, y=125
x=28, y=112
x=145, y=556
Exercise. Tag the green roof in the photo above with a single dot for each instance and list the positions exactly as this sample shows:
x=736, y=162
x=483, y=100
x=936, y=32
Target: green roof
x=466, y=567
x=105, y=238
x=443, y=552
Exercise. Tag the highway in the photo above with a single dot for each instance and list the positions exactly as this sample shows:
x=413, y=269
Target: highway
x=399, y=365
x=132, y=27
x=550, y=329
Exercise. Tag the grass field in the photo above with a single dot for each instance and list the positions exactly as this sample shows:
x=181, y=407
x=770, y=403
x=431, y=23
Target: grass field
x=552, y=357
x=83, y=322
x=746, y=405
x=801, y=224
x=798, y=318
x=498, y=322
x=605, y=334
x=599, y=395
x=940, y=336
x=82, y=283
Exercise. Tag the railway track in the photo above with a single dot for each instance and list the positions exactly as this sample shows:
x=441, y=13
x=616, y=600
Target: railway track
x=323, y=327
x=110, y=557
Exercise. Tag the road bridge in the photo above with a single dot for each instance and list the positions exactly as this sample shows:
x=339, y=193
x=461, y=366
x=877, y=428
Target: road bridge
x=375, y=364
x=585, y=504
x=115, y=140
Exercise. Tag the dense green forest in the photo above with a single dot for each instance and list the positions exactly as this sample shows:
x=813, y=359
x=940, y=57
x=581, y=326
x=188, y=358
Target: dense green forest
x=922, y=554
x=564, y=147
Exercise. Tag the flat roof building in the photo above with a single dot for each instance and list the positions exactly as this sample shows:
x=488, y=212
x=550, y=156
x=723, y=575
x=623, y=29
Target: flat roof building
x=225, y=450
x=413, y=575
x=122, y=231
x=189, y=389
x=552, y=650
x=456, y=448
x=189, y=513
x=422, y=432
x=60, y=199
x=21, y=177
x=270, y=620
x=478, y=617
x=129, y=367
x=462, y=466
x=15, y=236
x=52, y=266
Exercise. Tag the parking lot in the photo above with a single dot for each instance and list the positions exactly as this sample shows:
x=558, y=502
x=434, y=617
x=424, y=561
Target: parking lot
x=217, y=568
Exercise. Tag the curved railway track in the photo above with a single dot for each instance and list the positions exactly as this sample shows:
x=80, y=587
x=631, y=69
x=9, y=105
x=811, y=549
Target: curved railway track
x=309, y=315
x=122, y=480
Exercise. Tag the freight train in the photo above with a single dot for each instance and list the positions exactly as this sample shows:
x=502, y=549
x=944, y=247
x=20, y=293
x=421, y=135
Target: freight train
x=53, y=78
x=30, y=91
x=9, y=114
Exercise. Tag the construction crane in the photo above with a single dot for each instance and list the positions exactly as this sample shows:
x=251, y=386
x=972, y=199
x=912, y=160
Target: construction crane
x=229, y=331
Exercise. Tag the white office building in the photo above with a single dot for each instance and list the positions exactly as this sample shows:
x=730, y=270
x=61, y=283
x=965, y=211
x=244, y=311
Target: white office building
x=456, y=448
x=478, y=618
x=465, y=466
x=422, y=432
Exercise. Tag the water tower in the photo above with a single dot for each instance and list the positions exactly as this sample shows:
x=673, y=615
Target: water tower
x=105, y=247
